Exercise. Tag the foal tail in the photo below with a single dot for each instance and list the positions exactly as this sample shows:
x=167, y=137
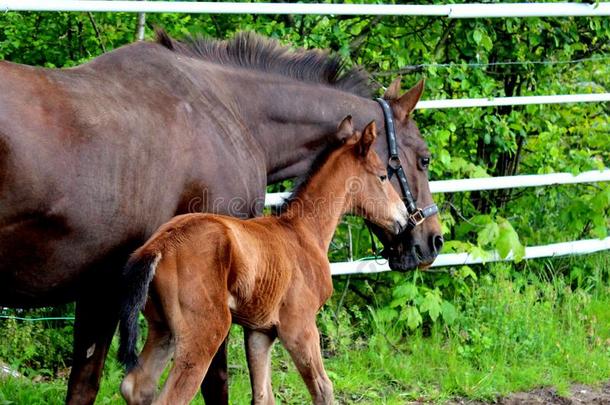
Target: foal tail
x=137, y=275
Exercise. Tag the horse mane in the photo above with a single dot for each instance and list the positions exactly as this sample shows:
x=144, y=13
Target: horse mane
x=252, y=51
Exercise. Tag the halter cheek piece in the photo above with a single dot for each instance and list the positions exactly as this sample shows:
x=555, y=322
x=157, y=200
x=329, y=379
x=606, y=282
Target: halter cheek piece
x=416, y=215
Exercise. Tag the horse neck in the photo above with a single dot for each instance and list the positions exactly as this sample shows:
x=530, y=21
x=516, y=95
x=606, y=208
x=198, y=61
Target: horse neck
x=293, y=121
x=321, y=203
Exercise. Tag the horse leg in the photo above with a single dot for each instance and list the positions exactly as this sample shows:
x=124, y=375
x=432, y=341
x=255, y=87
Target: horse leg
x=215, y=387
x=140, y=385
x=96, y=321
x=198, y=334
x=258, y=353
x=301, y=338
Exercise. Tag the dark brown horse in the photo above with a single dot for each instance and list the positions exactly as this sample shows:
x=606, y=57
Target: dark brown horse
x=269, y=274
x=94, y=158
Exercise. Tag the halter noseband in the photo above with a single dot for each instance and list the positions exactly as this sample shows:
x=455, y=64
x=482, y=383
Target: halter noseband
x=416, y=215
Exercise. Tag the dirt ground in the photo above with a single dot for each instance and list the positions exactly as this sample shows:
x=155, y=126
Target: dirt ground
x=579, y=394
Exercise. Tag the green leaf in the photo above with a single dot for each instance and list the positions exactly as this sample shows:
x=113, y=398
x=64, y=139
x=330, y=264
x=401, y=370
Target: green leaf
x=448, y=312
x=355, y=30
x=407, y=291
x=444, y=157
x=465, y=272
x=486, y=43
x=488, y=234
x=385, y=315
x=456, y=246
x=479, y=253
x=431, y=304
x=414, y=318
x=508, y=240
x=477, y=35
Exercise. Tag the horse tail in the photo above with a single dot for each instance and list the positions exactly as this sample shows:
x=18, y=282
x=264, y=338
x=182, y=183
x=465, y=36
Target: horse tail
x=137, y=275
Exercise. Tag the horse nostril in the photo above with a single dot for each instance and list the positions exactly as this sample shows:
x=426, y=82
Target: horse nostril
x=437, y=243
x=417, y=253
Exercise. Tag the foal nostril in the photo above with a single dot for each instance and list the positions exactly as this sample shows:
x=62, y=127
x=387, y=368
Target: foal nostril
x=436, y=243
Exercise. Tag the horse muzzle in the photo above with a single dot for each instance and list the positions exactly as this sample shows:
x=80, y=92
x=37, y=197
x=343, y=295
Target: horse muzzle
x=402, y=259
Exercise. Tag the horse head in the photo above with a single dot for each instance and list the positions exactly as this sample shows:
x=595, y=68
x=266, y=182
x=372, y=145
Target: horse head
x=421, y=242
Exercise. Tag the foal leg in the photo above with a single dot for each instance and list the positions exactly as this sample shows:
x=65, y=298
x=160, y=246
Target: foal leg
x=301, y=338
x=140, y=385
x=199, y=334
x=215, y=386
x=258, y=353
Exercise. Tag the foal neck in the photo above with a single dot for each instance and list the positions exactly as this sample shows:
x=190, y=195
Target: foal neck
x=318, y=205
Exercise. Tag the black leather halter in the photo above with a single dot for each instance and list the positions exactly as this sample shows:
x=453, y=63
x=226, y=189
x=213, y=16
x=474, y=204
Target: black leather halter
x=416, y=215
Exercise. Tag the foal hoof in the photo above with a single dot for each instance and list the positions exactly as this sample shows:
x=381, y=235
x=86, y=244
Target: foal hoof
x=132, y=395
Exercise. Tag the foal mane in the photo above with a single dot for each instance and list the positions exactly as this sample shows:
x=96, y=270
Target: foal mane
x=301, y=182
x=252, y=51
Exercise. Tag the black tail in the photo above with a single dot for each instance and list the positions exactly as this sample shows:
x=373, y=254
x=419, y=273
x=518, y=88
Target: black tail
x=137, y=276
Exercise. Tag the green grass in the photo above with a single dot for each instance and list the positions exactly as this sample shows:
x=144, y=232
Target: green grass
x=512, y=334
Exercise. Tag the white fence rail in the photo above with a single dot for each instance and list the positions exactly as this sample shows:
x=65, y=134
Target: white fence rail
x=523, y=100
x=476, y=10
x=528, y=180
x=492, y=183
x=578, y=247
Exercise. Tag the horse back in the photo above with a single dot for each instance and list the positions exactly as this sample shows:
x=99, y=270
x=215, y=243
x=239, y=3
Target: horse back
x=79, y=178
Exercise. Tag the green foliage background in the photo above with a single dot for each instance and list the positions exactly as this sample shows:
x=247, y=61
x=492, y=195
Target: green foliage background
x=459, y=59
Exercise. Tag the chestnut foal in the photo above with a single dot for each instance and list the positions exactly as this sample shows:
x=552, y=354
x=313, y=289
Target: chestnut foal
x=269, y=274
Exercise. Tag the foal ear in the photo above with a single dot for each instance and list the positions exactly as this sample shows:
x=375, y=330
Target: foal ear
x=345, y=130
x=404, y=105
x=393, y=90
x=368, y=137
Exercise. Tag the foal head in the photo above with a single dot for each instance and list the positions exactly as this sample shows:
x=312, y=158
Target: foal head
x=369, y=191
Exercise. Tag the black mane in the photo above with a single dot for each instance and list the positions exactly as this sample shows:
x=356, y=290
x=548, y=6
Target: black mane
x=252, y=51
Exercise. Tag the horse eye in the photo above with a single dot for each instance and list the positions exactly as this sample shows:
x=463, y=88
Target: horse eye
x=424, y=162
x=383, y=178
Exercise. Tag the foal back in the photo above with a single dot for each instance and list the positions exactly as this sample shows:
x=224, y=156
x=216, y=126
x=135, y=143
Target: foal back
x=250, y=264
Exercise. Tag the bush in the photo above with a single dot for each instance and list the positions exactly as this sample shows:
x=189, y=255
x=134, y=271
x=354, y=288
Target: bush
x=36, y=347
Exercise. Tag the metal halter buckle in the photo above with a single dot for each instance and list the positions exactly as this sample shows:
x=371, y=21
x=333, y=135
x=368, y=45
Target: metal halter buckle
x=417, y=217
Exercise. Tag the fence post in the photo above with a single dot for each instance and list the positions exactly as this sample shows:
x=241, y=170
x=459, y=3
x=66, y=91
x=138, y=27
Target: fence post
x=141, y=26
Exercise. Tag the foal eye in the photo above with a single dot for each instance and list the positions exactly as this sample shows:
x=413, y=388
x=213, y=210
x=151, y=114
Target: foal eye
x=424, y=162
x=383, y=178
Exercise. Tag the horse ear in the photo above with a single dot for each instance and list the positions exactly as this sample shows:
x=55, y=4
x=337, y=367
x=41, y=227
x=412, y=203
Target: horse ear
x=404, y=105
x=345, y=130
x=393, y=90
x=366, y=140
